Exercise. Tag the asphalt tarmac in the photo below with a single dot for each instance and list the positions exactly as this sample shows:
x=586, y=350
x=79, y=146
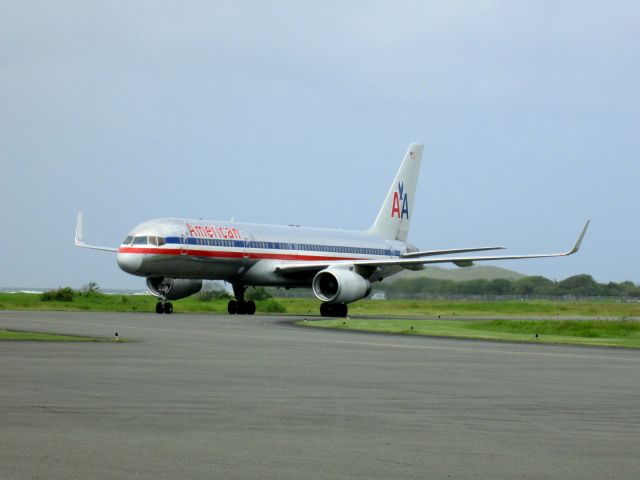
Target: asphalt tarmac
x=208, y=396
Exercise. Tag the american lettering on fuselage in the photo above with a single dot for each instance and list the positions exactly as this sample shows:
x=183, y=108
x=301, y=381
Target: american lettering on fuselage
x=176, y=255
x=212, y=231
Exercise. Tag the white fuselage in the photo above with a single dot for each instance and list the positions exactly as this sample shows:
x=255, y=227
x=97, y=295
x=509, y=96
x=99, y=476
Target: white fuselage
x=231, y=251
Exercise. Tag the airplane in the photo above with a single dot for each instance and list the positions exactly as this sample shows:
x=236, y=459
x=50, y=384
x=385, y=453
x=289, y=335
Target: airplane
x=175, y=255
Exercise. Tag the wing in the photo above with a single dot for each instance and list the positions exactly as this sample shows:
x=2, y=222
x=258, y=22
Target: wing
x=406, y=262
x=79, y=242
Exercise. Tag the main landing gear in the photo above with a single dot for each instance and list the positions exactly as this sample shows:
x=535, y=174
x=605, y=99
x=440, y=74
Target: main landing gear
x=166, y=307
x=333, y=310
x=240, y=306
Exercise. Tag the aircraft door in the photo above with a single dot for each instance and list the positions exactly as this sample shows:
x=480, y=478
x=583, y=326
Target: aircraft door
x=184, y=244
x=390, y=246
x=245, y=249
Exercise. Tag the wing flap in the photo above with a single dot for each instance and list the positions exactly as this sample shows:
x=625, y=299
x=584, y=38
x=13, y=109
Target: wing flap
x=429, y=253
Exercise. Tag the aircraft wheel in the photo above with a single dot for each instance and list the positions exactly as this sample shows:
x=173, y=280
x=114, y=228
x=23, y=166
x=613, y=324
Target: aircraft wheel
x=250, y=307
x=159, y=308
x=328, y=310
x=232, y=307
x=333, y=310
x=242, y=308
x=168, y=308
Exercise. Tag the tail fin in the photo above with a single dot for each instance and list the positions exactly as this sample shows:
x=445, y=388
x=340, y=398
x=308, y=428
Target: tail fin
x=394, y=215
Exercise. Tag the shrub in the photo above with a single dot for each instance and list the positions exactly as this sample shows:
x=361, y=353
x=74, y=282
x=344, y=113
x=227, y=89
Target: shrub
x=214, y=294
x=271, y=306
x=258, y=293
x=65, y=294
x=91, y=289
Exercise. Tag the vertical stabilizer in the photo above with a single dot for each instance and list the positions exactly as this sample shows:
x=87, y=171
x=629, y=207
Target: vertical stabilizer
x=396, y=211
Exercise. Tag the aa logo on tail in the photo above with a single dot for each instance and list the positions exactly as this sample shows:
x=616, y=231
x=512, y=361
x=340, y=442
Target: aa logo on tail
x=400, y=198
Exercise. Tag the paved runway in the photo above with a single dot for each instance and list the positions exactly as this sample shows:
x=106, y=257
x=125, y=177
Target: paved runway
x=203, y=396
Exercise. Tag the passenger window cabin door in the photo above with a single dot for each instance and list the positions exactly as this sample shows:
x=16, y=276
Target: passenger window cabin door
x=184, y=244
x=245, y=250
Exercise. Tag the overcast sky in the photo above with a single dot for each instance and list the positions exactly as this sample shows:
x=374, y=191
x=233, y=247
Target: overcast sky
x=300, y=112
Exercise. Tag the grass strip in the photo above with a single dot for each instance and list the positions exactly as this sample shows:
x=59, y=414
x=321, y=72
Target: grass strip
x=17, y=335
x=306, y=306
x=610, y=333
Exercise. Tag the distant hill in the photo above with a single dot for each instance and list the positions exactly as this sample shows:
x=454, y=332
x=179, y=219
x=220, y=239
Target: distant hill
x=459, y=274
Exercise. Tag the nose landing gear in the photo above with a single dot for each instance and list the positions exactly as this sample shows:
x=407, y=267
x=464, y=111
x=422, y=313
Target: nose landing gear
x=163, y=306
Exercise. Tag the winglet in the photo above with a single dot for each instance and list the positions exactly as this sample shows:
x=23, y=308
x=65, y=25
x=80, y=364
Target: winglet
x=79, y=231
x=576, y=247
x=79, y=241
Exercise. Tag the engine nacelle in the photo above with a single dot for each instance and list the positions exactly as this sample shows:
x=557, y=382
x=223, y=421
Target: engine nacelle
x=338, y=285
x=172, y=288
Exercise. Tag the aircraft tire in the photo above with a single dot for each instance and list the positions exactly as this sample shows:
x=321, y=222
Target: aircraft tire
x=250, y=307
x=232, y=307
x=168, y=308
x=333, y=310
x=159, y=308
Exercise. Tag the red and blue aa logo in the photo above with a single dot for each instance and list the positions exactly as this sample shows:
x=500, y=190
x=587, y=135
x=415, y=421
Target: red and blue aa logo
x=400, y=204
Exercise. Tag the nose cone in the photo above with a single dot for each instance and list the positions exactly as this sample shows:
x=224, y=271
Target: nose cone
x=129, y=262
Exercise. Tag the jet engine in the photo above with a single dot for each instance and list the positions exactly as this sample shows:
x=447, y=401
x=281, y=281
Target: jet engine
x=171, y=288
x=337, y=285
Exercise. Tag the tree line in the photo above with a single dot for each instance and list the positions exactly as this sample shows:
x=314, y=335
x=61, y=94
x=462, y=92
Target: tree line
x=579, y=285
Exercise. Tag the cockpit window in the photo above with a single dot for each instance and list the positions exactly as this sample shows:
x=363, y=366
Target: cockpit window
x=140, y=240
x=159, y=241
x=144, y=240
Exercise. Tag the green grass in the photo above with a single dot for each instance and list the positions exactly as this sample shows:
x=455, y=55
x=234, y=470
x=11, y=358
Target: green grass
x=304, y=306
x=420, y=308
x=493, y=308
x=105, y=303
x=15, y=335
x=613, y=333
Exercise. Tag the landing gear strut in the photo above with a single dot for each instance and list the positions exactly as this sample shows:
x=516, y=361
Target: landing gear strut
x=240, y=306
x=333, y=310
x=166, y=307
x=163, y=306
